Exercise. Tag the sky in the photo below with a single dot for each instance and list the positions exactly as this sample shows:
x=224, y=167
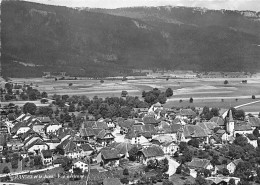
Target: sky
x=210, y=4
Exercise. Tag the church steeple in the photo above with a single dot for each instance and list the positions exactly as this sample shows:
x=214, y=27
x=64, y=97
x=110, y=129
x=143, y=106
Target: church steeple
x=230, y=125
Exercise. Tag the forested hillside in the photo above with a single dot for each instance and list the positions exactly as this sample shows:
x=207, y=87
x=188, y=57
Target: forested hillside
x=96, y=42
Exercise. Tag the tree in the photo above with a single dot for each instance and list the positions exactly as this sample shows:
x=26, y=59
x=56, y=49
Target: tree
x=6, y=170
x=241, y=141
x=194, y=142
x=29, y=108
x=182, y=146
x=232, y=182
x=125, y=172
x=124, y=93
x=44, y=95
x=225, y=82
x=167, y=182
x=37, y=160
x=162, y=98
x=178, y=169
x=225, y=172
x=70, y=84
x=72, y=108
x=200, y=181
x=243, y=170
x=101, y=81
x=45, y=111
x=133, y=153
x=124, y=180
x=253, y=96
x=77, y=171
x=43, y=100
x=191, y=100
x=169, y=92
x=256, y=132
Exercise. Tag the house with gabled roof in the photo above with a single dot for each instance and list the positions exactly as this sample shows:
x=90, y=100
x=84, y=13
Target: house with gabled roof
x=87, y=133
x=198, y=164
x=47, y=157
x=150, y=153
x=105, y=137
x=71, y=149
x=88, y=124
x=167, y=143
x=254, y=122
x=219, y=121
x=242, y=128
x=20, y=128
x=82, y=164
x=150, y=120
x=135, y=137
x=86, y=149
x=37, y=146
x=233, y=164
x=110, y=156
x=252, y=139
x=53, y=142
x=53, y=127
x=195, y=131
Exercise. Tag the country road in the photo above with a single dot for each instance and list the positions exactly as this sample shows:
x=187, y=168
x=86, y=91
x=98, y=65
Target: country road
x=239, y=106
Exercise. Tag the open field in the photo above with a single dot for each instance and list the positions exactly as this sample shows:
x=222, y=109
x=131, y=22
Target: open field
x=205, y=92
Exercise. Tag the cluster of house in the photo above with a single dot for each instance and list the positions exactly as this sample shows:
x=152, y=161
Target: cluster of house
x=156, y=135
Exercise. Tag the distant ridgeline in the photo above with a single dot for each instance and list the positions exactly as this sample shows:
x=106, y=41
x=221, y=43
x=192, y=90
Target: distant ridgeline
x=100, y=42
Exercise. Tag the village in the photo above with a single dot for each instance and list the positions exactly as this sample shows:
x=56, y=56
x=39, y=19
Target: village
x=125, y=140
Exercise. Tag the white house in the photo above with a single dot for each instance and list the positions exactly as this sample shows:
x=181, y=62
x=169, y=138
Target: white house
x=232, y=165
x=83, y=165
x=52, y=128
x=37, y=146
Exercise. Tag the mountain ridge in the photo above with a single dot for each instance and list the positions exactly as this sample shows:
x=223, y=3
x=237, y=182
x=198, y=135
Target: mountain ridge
x=96, y=43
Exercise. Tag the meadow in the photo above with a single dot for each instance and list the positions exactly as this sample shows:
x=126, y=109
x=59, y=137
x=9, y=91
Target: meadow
x=205, y=92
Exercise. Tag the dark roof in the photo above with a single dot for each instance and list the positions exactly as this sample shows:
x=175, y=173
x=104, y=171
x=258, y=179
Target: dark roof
x=103, y=133
x=242, y=126
x=122, y=148
x=236, y=161
x=102, y=125
x=198, y=163
x=111, y=181
x=62, y=132
x=44, y=119
x=187, y=112
x=36, y=142
x=17, y=126
x=86, y=147
x=88, y=132
x=110, y=154
x=126, y=123
x=152, y=151
x=194, y=131
x=70, y=146
x=88, y=124
x=251, y=137
x=218, y=120
x=46, y=153
x=254, y=121
x=176, y=127
x=149, y=120
x=144, y=128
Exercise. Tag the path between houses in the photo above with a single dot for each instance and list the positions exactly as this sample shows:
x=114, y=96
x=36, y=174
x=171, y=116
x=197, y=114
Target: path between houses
x=172, y=166
x=239, y=106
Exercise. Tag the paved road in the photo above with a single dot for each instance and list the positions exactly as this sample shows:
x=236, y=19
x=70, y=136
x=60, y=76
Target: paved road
x=172, y=166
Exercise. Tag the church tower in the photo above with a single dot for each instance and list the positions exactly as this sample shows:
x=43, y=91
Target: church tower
x=230, y=124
